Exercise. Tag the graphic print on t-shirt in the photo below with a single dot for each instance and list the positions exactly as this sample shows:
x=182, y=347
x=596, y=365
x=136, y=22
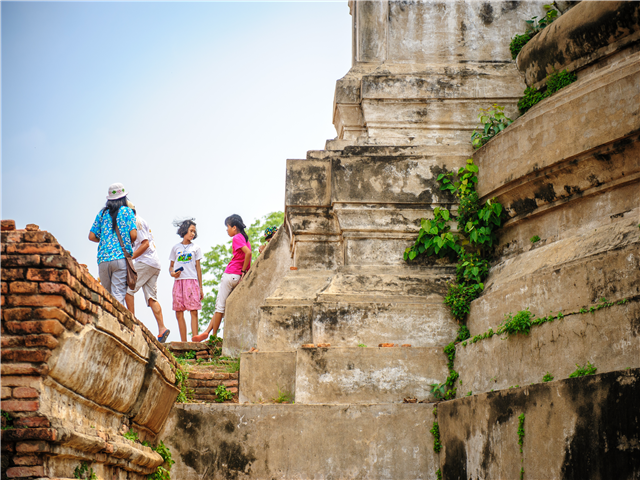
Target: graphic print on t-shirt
x=185, y=257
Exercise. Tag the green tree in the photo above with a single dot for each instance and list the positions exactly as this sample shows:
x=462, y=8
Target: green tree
x=217, y=259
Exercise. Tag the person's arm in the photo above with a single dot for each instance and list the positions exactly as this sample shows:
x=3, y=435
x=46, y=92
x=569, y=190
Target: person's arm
x=93, y=238
x=141, y=249
x=199, y=278
x=133, y=234
x=172, y=273
x=247, y=260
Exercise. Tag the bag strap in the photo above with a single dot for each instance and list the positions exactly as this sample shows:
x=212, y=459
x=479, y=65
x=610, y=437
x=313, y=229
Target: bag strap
x=124, y=250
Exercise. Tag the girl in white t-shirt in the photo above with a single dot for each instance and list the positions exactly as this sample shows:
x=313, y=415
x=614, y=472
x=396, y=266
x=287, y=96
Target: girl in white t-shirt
x=185, y=269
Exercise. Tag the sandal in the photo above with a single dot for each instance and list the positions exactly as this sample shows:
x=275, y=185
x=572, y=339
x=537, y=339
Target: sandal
x=163, y=338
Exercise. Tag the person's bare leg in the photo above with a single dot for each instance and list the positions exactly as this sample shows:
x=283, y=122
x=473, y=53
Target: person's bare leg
x=157, y=312
x=213, y=326
x=131, y=304
x=194, y=323
x=182, y=326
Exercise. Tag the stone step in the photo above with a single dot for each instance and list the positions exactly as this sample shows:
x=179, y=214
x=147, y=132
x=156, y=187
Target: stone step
x=287, y=327
x=342, y=375
x=301, y=441
x=607, y=338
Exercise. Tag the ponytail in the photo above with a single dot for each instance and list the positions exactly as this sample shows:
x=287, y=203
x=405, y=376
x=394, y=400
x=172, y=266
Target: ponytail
x=113, y=207
x=236, y=221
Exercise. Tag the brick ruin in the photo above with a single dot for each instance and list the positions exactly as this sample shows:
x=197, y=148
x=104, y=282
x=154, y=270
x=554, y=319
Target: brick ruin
x=331, y=285
x=78, y=370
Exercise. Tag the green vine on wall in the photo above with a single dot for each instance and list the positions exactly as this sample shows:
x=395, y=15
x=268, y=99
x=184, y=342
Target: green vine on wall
x=534, y=26
x=476, y=235
x=555, y=82
x=163, y=472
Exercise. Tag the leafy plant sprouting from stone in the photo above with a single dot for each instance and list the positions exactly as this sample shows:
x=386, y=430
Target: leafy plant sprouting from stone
x=163, y=472
x=362, y=345
x=214, y=341
x=588, y=369
x=283, y=397
x=534, y=239
x=547, y=377
x=223, y=394
x=533, y=26
x=493, y=121
x=83, y=471
x=131, y=435
x=477, y=225
x=555, y=82
x=521, y=439
x=435, y=431
x=447, y=390
x=518, y=323
x=8, y=420
x=181, y=381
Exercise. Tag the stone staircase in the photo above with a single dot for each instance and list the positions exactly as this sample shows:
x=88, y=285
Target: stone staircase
x=206, y=371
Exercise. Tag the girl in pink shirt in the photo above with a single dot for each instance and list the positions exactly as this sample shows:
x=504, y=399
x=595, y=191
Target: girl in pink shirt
x=237, y=268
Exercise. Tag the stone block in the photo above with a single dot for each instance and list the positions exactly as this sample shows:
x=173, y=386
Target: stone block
x=265, y=375
x=6, y=392
x=572, y=45
x=156, y=403
x=284, y=328
x=19, y=434
x=367, y=375
x=20, y=260
x=255, y=441
x=48, y=341
x=576, y=428
x=308, y=183
x=98, y=367
x=349, y=324
x=606, y=338
x=24, y=369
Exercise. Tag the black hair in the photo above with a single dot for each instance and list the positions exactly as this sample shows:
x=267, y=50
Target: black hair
x=183, y=227
x=113, y=207
x=236, y=221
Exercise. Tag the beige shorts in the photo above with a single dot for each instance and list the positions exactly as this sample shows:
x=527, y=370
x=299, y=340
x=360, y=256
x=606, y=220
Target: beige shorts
x=147, y=280
x=228, y=282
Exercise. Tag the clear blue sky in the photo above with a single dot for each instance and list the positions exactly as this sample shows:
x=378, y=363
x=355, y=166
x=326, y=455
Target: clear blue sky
x=195, y=107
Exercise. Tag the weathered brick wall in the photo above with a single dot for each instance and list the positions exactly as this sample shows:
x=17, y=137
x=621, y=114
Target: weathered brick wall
x=78, y=370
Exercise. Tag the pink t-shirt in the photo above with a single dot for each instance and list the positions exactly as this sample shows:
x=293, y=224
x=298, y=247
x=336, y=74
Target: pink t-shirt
x=236, y=263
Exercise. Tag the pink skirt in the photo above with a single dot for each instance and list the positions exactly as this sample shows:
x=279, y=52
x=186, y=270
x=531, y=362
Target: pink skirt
x=186, y=295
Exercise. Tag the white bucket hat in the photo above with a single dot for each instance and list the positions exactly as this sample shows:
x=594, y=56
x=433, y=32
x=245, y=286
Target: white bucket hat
x=116, y=191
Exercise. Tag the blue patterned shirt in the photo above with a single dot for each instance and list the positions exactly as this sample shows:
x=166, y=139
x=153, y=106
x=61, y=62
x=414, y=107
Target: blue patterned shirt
x=109, y=247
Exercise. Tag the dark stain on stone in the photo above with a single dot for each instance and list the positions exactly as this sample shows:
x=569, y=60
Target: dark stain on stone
x=602, y=157
x=524, y=205
x=455, y=465
x=510, y=6
x=593, y=180
x=606, y=429
x=573, y=189
x=229, y=427
x=546, y=193
x=486, y=13
x=221, y=458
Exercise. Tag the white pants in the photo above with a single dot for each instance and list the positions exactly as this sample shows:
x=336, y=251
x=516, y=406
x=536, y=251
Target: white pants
x=228, y=282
